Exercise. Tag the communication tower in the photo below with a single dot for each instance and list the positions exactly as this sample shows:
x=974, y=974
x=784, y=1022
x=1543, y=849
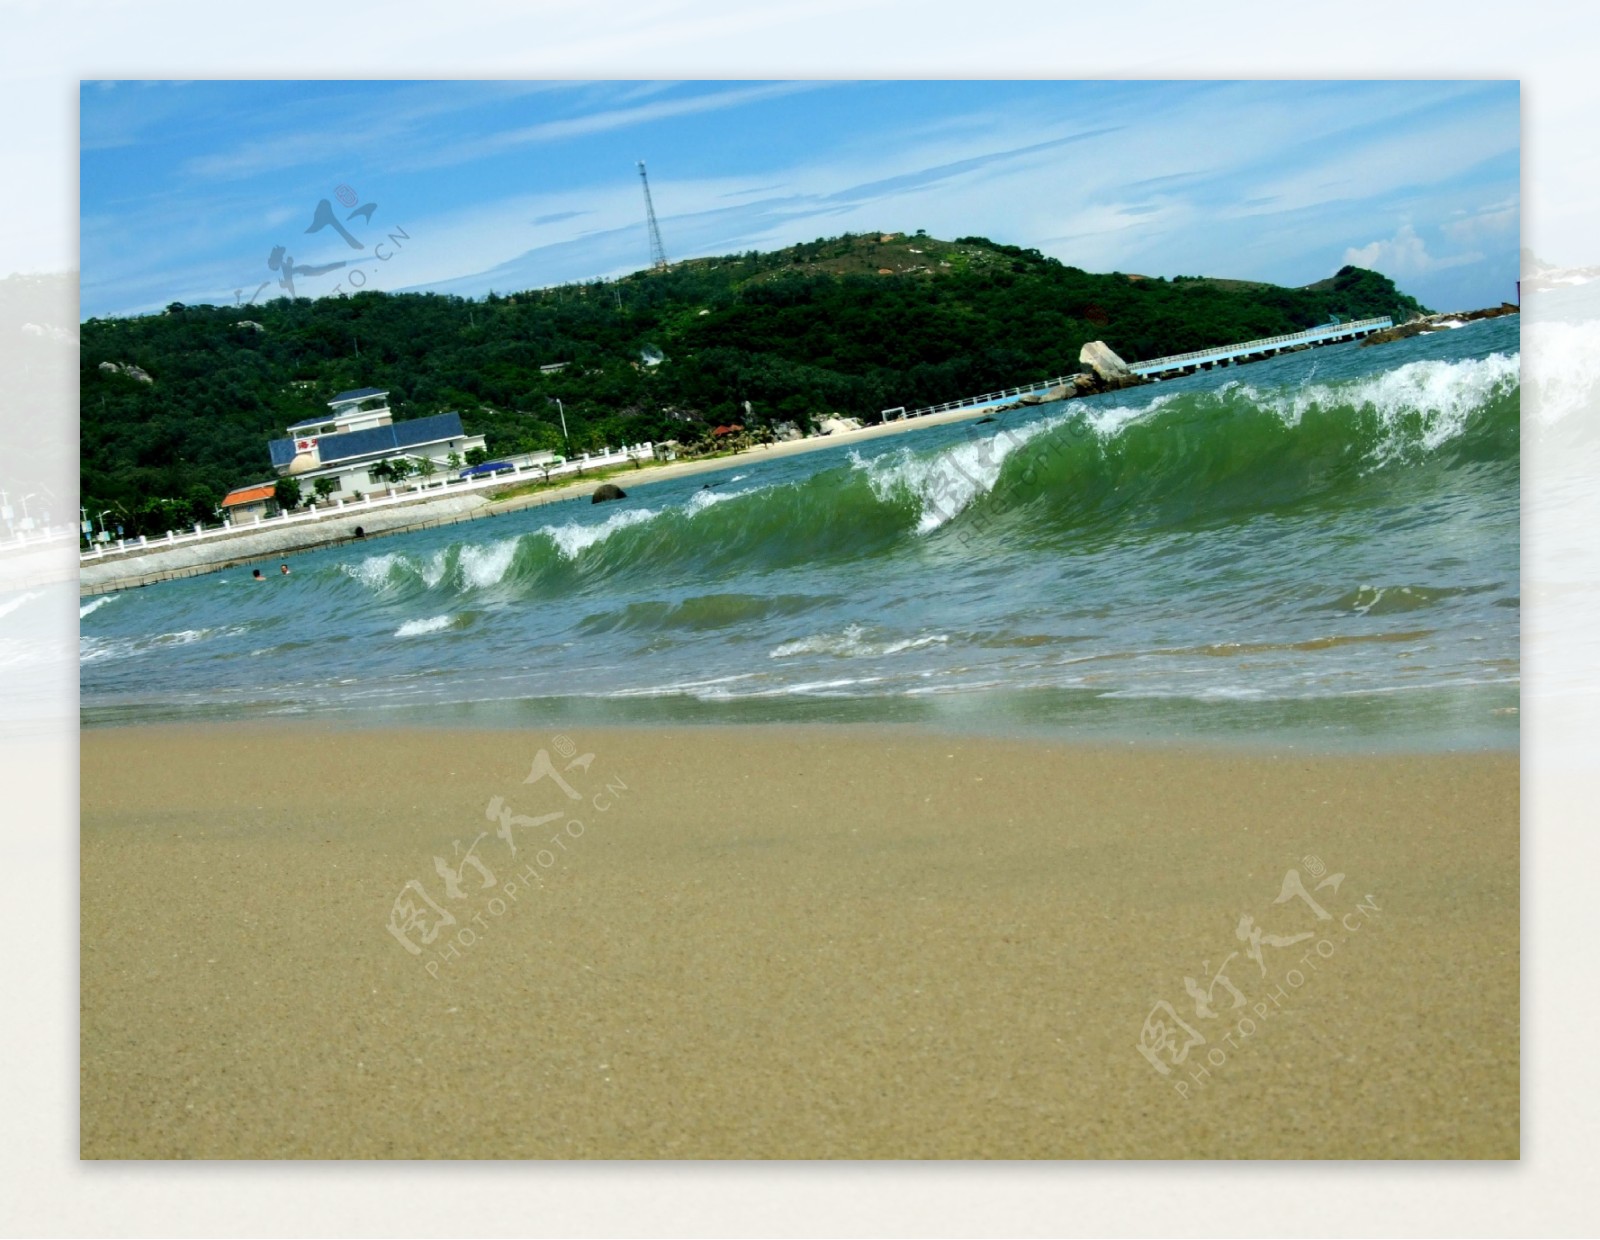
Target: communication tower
x=658, y=253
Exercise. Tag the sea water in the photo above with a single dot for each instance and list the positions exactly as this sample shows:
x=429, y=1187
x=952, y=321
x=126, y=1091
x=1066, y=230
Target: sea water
x=1321, y=546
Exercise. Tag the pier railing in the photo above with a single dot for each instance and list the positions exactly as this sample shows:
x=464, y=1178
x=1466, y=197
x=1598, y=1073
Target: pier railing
x=1326, y=331
x=1310, y=335
x=972, y=402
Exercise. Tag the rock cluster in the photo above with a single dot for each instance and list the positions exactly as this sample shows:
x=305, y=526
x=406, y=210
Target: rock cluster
x=1107, y=373
x=1437, y=323
x=133, y=372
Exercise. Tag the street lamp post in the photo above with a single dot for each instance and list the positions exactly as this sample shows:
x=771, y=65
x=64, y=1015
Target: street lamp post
x=561, y=409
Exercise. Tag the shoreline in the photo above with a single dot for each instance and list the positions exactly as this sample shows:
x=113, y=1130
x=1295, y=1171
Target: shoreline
x=247, y=547
x=1169, y=732
x=797, y=942
x=426, y=511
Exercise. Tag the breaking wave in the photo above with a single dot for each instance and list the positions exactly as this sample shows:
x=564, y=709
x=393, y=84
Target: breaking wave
x=1174, y=460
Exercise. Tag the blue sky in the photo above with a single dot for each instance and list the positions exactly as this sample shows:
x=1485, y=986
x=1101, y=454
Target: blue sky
x=188, y=188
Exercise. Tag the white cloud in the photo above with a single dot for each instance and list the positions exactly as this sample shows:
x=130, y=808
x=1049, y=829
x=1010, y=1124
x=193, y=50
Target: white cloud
x=1222, y=181
x=395, y=120
x=611, y=118
x=1404, y=254
x=1486, y=221
x=1433, y=148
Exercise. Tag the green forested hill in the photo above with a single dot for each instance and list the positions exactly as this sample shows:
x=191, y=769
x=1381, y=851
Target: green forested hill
x=850, y=325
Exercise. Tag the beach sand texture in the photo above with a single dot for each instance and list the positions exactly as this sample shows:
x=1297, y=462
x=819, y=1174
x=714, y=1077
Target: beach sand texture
x=789, y=943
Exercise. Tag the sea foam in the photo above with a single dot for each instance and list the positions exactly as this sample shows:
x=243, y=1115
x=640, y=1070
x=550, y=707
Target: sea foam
x=853, y=642
x=433, y=624
x=574, y=539
x=947, y=483
x=1422, y=404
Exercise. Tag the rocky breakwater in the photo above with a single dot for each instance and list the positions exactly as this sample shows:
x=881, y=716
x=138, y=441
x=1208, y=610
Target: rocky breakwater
x=1106, y=373
x=1437, y=323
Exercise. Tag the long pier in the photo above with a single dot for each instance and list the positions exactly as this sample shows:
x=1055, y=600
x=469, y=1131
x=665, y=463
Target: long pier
x=1178, y=364
x=1255, y=350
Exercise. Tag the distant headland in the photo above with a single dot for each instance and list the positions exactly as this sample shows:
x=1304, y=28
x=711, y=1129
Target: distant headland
x=175, y=406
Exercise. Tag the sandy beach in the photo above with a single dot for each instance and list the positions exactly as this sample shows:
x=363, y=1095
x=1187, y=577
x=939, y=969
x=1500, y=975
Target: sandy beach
x=790, y=943
x=773, y=451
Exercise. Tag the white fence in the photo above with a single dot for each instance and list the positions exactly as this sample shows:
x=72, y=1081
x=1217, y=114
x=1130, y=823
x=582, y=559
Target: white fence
x=406, y=493
x=988, y=398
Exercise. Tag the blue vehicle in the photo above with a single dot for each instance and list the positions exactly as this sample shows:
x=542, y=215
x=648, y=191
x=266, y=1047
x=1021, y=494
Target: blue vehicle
x=488, y=467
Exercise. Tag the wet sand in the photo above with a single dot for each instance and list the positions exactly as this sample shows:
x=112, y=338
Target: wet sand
x=790, y=943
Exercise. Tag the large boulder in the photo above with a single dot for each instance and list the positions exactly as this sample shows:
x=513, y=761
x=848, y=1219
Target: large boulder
x=1110, y=369
x=607, y=490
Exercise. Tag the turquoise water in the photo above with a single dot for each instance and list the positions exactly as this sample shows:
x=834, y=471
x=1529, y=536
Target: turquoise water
x=1323, y=545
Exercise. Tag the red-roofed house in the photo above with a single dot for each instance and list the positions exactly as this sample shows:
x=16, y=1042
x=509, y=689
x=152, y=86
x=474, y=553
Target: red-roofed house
x=251, y=503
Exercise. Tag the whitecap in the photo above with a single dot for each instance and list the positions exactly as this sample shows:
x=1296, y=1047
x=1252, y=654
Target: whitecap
x=1422, y=404
x=374, y=571
x=823, y=687
x=433, y=571
x=701, y=500
x=100, y=649
x=572, y=540
x=433, y=624
x=708, y=689
x=485, y=566
x=853, y=642
x=946, y=483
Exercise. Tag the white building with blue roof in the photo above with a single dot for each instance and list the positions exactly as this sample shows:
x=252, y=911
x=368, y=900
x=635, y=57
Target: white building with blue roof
x=359, y=434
